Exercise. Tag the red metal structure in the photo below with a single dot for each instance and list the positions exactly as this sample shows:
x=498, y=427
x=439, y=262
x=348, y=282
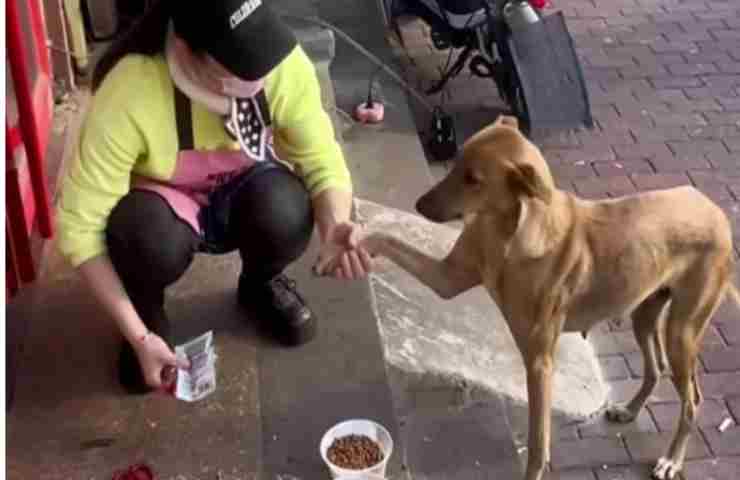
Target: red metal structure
x=27, y=130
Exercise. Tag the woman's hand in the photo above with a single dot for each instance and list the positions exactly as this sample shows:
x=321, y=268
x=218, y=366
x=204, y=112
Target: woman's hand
x=157, y=360
x=341, y=255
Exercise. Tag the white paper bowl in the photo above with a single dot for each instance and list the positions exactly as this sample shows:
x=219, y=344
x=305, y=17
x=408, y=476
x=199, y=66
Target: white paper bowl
x=368, y=428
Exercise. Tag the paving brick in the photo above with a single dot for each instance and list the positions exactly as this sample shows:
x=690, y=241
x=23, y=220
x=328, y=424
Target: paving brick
x=593, y=153
x=691, y=69
x=642, y=150
x=723, y=161
x=601, y=427
x=570, y=474
x=719, y=132
x=614, y=367
x=722, y=81
x=729, y=104
x=564, y=432
x=706, y=57
x=731, y=332
x=614, y=343
x=573, y=172
x=676, y=82
x=669, y=164
x=712, y=338
x=709, y=92
x=591, y=452
x=723, y=118
x=723, y=443
x=664, y=46
x=679, y=119
x=661, y=134
x=621, y=391
x=711, y=413
x=726, y=468
x=712, y=183
x=701, y=105
x=648, y=447
x=697, y=147
x=721, y=360
x=643, y=71
x=659, y=181
x=629, y=472
x=726, y=34
x=729, y=67
x=596, y=139
x=603, y=187
x=734, y=407
x=623, y=167
x=664, y=95
x=733, y=144
x=636, y=364
x=719, y=385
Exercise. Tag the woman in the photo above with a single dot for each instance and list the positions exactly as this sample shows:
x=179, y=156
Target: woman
x=206, y=133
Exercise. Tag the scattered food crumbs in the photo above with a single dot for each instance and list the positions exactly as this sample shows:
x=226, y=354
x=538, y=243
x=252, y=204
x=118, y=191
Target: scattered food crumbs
x=521, y=450
x=427, y=439
x=477, y=463
x=726, y=423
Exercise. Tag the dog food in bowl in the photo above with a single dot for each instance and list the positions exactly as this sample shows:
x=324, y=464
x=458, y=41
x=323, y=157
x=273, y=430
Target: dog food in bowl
x=355, y=452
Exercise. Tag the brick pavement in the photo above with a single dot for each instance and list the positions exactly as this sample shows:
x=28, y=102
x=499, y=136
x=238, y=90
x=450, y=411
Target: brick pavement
x=664, y=81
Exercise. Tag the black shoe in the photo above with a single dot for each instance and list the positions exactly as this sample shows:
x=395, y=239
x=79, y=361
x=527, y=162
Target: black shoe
x=280, y=308
x=129, y=371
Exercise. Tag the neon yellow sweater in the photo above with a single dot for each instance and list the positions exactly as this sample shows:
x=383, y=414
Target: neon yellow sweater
x=131, y=129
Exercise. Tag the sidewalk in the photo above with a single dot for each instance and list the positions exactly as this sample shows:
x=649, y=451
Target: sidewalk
x=664, y=81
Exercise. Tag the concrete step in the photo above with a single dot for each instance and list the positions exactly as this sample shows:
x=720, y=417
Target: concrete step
x=470, y=443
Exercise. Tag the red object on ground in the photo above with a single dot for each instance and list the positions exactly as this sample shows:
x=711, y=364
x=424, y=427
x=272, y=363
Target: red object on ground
x=540, y=4
x=373, y=113
x=135, y=472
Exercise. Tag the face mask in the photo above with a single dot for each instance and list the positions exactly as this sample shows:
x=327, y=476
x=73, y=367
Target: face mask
x=235, y=87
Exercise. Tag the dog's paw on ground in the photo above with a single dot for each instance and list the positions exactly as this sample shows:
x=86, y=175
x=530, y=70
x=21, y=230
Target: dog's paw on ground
x=619, y=414
x=666, y=469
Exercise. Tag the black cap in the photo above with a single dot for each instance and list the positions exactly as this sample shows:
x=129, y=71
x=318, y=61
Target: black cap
x=245, y=36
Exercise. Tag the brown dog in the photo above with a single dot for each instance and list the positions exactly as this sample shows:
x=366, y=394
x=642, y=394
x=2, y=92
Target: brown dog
x=556, y=263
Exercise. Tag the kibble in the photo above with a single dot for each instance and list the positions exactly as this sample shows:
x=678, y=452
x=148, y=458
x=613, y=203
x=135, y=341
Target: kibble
x=355, y=452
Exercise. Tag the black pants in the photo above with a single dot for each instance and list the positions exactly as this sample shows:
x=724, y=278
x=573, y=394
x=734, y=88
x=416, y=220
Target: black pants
x=270, y=222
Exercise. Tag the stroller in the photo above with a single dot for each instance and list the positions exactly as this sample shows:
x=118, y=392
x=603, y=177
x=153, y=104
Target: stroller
x=529, y=56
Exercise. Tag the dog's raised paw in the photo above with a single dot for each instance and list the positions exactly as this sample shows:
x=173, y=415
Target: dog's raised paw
x=666, y=469
x=619, y=414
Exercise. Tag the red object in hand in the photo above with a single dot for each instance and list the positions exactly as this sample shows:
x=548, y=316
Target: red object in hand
x=135, y=472
x=367, y=112
x=539, y=4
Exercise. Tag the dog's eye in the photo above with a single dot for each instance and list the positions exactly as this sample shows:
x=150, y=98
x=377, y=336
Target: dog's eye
x=470, y=179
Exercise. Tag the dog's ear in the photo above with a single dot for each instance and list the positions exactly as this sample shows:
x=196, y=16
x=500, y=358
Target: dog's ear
x=508, y=121
x=524, y=180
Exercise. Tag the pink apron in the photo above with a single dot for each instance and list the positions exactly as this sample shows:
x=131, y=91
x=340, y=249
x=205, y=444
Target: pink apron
x=201, y=178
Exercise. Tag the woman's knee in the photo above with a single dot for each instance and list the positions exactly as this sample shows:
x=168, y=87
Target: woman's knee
x=273, y=215
x=147, y=242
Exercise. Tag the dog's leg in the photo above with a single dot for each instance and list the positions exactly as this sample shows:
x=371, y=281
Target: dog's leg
x=537, y=344
x=694, y=302
x=448, y=277
x=645, y=320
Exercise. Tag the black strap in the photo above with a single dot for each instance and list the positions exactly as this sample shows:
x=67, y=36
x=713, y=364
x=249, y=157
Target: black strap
x=184, y=119
x=264, y=107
